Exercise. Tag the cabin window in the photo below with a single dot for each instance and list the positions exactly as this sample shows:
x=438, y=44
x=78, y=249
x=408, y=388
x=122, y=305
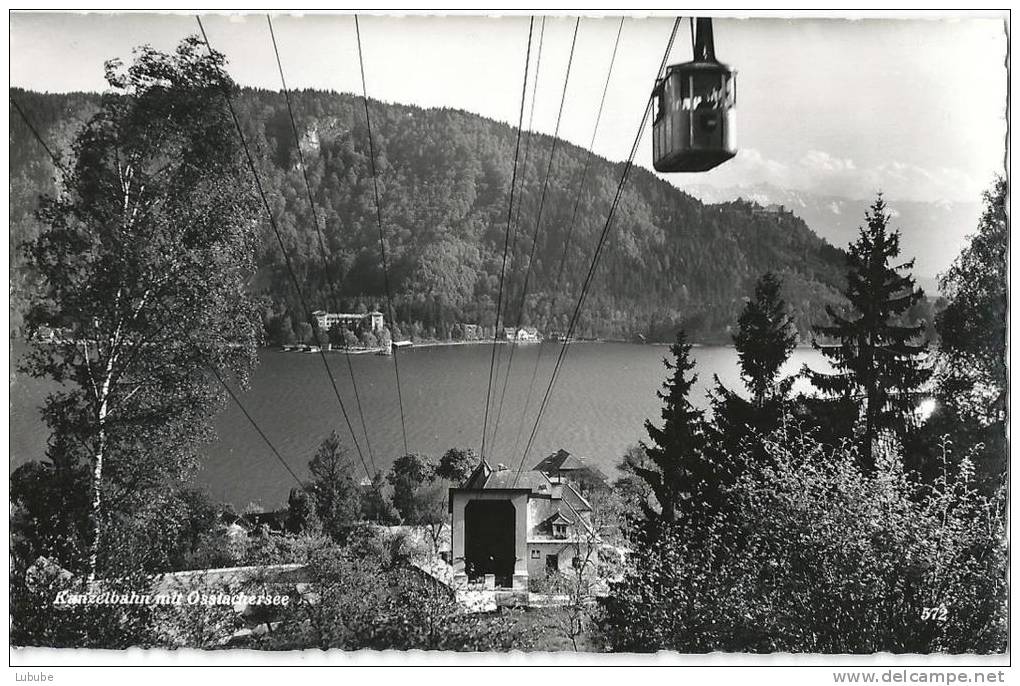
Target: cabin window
x=685, y=92
x=708, y=91
x=661, y=102
x=535, y=554
x=673, y=93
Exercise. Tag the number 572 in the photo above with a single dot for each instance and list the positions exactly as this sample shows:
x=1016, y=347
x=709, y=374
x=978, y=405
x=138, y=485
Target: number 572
x=935, y=614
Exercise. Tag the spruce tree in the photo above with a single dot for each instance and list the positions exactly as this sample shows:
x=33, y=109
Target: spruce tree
x=333, y=487
x=376, y=505
x=877, y=359
x=764, y=341
x=683, y=480
x=765, y=337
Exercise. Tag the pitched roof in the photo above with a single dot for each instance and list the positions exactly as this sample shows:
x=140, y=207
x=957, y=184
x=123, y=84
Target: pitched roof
x=484, y=477
x=478, y=476
x=558, y=511
x=561, y=501
x=508, y=478
x=559, y=518
x=574, y=499
x=561, y=460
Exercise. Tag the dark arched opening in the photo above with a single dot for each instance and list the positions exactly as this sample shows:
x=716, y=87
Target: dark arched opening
x=489, y=540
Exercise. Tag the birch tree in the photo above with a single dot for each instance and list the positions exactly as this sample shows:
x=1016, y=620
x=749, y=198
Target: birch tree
x=144, y=258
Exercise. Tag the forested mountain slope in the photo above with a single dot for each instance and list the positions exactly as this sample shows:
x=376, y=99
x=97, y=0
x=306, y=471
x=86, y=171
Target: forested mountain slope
x=444, y=177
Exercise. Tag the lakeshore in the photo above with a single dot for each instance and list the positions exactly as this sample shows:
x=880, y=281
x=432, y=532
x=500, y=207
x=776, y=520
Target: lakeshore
x=603, y=396
x=383, y=350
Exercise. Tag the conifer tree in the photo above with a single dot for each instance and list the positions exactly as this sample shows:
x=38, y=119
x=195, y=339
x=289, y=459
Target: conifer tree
x=334, y=489
x=376, y=505
x=764, y=340
x=876, y=358
x=683, y=480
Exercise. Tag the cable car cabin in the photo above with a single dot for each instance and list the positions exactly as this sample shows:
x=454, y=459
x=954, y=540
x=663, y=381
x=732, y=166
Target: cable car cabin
x=695, y=122
x=695, y=127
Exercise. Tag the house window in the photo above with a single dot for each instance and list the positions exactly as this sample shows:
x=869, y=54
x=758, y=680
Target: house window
x=575, y=562
x=535, y=555
x=559, y=530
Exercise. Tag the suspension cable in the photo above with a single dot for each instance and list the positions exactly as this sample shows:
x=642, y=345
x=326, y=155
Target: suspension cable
x=382, y=239
x=219, y=377
x=538, y=217
x=520, y=211
x=283, y=248
x=506, y=240
x=237, y=401
x=331, y=285
x=597, y=254
x=570, y=232
x=57, y=162
x=255, y=425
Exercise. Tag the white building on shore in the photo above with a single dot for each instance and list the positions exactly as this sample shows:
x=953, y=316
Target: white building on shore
x=373, y=321
x=525, y=334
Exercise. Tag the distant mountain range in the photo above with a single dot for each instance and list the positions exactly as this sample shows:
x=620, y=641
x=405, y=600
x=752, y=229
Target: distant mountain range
x=933, y=233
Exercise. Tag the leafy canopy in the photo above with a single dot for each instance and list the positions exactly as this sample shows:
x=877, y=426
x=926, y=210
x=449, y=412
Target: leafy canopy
x=143, y=261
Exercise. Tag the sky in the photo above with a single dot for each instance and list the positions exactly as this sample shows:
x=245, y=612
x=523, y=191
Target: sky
x=912, y=107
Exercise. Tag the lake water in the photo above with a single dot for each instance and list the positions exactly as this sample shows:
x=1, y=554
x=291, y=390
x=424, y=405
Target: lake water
x=604, y=393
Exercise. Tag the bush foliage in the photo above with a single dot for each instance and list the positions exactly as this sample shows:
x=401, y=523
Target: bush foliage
x=812, y=554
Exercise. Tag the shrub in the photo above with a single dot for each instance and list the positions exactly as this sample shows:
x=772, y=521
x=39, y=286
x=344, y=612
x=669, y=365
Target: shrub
x=37, y=620
x=550, y=583
x=362, y=596
x=811, y=554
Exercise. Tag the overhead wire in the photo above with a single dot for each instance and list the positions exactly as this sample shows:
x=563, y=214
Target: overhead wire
x=520, y=212
x=57, y=162
x=538, y=217
x=506, y=241
x=286, y=256
x=394, y=350
x=597, y=254
x=215, y=372
x=570, y=231
x=318, y=230
x=510, y=215
x=255, y=425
